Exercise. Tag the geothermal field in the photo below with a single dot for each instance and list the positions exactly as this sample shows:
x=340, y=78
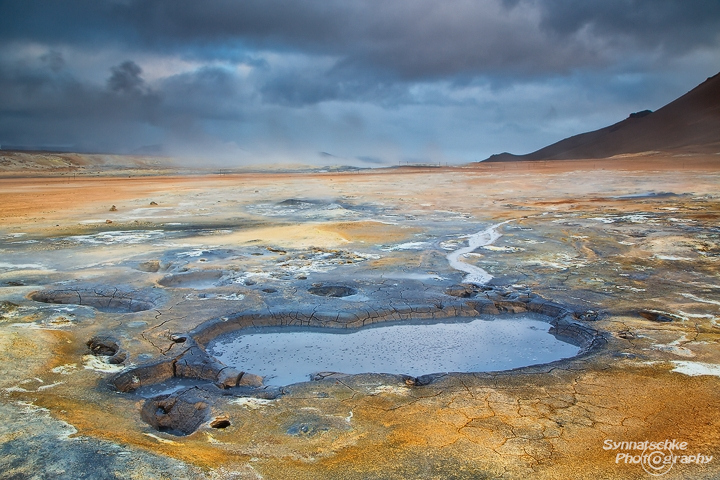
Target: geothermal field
x=494, y=320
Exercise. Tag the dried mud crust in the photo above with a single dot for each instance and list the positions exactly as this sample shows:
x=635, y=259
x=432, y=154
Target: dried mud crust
x=183, y=411
x=109, y=300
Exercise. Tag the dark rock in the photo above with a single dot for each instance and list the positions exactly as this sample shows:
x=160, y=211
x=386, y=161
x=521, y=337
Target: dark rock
x=332, y=291
x=641, y=114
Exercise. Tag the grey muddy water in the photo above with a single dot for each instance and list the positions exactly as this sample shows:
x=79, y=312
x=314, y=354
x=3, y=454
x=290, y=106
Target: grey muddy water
x=285, y=356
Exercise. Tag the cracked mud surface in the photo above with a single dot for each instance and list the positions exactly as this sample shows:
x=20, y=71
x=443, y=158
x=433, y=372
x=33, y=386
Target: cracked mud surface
x=631, y=251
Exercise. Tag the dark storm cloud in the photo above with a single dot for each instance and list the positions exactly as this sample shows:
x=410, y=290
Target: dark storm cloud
x=119, y=74
x=44, y=106
x=54, y=60
x=126, y=78
x=425, y=38
x=675, y=26
x=408, y=38
x=209, y=93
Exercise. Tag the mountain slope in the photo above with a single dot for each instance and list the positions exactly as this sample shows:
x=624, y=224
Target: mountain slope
x=689, y=124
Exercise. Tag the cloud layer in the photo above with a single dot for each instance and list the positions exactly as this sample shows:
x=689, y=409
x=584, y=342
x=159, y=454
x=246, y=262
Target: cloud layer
x=369, y=82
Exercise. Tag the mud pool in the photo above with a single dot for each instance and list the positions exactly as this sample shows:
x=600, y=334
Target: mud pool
x=285, y=356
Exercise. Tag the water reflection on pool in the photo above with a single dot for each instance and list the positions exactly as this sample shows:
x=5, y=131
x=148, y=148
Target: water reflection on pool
x=286, y=355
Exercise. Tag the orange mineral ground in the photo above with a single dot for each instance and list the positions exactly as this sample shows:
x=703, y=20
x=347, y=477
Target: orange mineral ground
x=626, y=248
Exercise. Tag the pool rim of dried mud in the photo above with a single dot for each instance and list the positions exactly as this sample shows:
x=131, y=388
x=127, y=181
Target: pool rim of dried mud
x=563, y=327
x=522, y=318
x=187, y=359
x=566, y=325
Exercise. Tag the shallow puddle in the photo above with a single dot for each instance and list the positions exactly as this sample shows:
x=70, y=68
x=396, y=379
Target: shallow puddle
x=292, y=354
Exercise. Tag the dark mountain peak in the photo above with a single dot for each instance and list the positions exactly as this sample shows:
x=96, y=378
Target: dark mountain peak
x=690, y=123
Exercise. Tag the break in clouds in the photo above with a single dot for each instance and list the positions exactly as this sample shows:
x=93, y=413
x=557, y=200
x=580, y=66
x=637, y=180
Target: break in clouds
x=340, y=81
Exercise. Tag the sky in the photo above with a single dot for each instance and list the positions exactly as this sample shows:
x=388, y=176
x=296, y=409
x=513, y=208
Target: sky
x=366, y=83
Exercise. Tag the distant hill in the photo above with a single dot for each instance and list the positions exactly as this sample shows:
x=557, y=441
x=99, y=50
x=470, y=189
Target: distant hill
x=30, y=163
x=690, y=124
x=41, y=163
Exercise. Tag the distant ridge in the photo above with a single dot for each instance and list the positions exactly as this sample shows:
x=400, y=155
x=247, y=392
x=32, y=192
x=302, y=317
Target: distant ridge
x=690, y=124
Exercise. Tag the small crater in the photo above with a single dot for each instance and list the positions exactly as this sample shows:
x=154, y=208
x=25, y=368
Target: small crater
x=107, y=346
x=332, y=291
x=220, y=422
x=110, y=300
